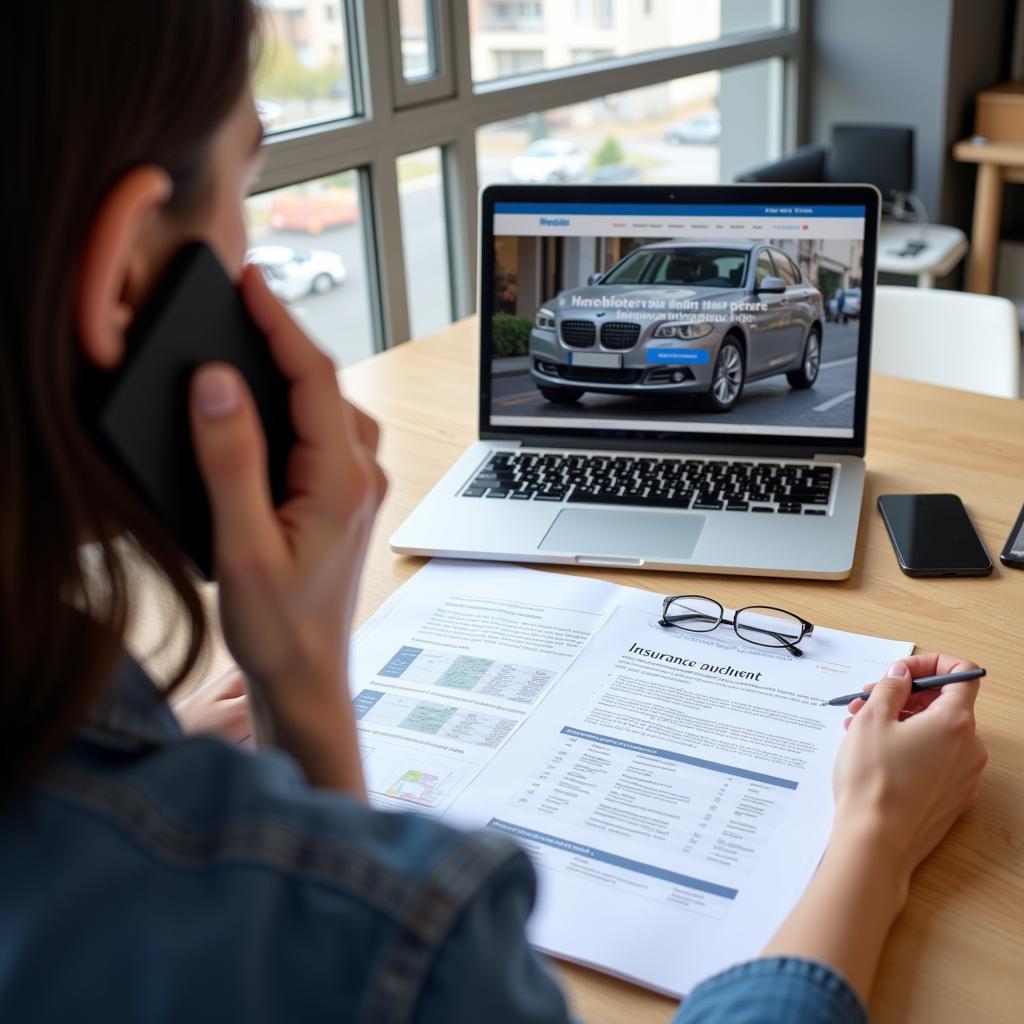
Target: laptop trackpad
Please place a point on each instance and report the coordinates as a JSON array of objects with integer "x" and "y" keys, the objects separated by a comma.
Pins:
[{"x": 624, "y": 532}]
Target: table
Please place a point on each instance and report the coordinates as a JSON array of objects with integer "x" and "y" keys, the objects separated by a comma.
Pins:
[
  {"x": 944, "y": 248},
  {"x": 998, "y": 163},
  {"x": 958, "y": 950}
]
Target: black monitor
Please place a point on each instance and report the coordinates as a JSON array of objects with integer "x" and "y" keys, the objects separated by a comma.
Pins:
[{"x": 879, "y": 155}]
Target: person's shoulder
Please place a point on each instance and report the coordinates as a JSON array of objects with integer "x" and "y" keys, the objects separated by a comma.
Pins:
[
  {"x": 240, "y": 860},
  {"x": 201, "y": 804}
]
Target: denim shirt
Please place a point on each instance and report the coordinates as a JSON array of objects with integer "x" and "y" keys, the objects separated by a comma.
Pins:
[{"x": 147, "y": 876}]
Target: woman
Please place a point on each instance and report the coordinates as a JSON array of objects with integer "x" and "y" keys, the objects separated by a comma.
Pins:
[{"x": 148, "y": 875}]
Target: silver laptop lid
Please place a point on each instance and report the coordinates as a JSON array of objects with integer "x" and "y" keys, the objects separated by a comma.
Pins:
[{"x": 690, "y": 317}]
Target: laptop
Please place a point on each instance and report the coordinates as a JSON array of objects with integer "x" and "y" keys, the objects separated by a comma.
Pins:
[{"x": 671, "y": 377}]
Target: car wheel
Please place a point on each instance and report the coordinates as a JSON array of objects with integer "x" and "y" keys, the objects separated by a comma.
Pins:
[
  {"x": 322, "y": 284},
  {"x": 809, "y": 365},
  {"x": 726, "y": 378},
  {"x": 562, "y": 396}
]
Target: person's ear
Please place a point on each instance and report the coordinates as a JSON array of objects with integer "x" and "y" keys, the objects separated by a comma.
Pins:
[{"x": 126, "y": 249}]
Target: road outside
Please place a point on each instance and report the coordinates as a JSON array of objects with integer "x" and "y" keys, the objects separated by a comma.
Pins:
[
  {"x": 339, "y": 321},
  {"x": 767, "y": 402}
]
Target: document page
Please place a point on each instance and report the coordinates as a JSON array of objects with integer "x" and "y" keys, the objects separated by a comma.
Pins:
[
  {"x": 674, "y": 791},
  {"x": 450, "y": 667}
]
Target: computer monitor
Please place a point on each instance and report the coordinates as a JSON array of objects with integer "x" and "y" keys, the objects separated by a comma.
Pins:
[{"x": 879, "y": 155}]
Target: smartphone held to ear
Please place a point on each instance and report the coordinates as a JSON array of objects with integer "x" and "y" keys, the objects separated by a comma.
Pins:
[
  {"x": 933, "y": 535},
  {"x": 195, "y": 315}
]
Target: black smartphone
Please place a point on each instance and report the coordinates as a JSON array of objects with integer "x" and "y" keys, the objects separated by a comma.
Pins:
[
  {"x": 933, "y": 535},
  {"x": 195, "y": 315},
  {"x": 1013, "y": 553}
]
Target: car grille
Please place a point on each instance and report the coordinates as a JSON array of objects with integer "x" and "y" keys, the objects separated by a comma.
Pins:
[
  {"x": 579, "y": 333},
  {"x": 596, "y": 375},
  {"x": 619, "y": 335}
]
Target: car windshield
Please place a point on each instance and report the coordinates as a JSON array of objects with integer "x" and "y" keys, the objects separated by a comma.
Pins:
[{"x": 701, "y": 268}]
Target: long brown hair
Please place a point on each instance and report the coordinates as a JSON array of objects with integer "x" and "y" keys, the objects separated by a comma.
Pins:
[{"x": 89, "y": 92}]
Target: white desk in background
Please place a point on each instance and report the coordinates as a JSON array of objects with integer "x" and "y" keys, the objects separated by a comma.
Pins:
[{"x": 899, "y": 250}]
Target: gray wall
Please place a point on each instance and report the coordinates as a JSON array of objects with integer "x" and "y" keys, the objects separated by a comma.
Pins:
[{"x": 911, "y": 62}]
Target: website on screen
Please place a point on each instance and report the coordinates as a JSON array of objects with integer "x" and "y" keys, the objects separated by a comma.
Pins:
[{"x": 737, "y": 319}]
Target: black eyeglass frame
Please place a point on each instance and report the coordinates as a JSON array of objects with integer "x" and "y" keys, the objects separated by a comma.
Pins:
[{"x": 806, "y": 628}]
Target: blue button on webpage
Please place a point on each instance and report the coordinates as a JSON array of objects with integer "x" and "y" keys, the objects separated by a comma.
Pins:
[{"x": 680, "y": 356}]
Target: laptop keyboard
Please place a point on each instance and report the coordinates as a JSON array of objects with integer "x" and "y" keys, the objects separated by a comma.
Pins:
[{"x": 794, "y": 488}]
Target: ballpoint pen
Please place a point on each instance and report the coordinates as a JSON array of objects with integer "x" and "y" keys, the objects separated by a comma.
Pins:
[{"x": 924, "y": 683}]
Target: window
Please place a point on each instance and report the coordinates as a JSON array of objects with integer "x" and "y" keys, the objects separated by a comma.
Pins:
[
  {"x": 765, "y": 268},
  {"x": 500, "y": 16},
  {"x": 515, "y": 62},
  {"x": 418, "y": 56},
  {"x": 618, "y": 28},
  {"x": 585, "y": 56},
  {"x": 425, "y": 241},
  {"x": 786, "y": 268},
  {"x": 307, "y": 239},
  {"x": 303, "y": 73},
  {"x": 701, "y": 129},
  {"x": 535, "y": 91}
]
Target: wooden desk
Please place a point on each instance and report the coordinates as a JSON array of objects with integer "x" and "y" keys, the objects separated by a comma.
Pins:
[
  {"x": 957, "y": 953},
  {"x": 998, "y": 163}
]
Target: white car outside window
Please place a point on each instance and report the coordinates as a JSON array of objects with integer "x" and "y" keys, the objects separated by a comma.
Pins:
[{"x": 292, "y": 274}]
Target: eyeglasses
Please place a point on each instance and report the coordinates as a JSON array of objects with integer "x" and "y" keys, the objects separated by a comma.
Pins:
[{"x": 756, "y": 624}]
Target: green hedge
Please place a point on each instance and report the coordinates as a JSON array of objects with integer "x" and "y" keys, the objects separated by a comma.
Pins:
[{"x": 511, "y": 335}]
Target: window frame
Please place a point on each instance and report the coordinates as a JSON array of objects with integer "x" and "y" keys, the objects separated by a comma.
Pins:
[{"x": 395, "y": 117}]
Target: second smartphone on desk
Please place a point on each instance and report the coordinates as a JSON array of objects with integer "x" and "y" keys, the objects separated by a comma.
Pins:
[{"x": 933, "y": 535}]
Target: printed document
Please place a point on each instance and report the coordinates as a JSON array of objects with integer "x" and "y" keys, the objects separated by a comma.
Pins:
[{"x": 673, "y": 789}]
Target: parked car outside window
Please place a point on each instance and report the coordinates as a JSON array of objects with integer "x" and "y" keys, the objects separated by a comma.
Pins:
[
  {"x": 293, "y": 274},
  {"x": 550, "y": 160}
]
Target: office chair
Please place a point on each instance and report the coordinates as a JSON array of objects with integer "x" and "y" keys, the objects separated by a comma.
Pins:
[{"x": 949, "y": 338}]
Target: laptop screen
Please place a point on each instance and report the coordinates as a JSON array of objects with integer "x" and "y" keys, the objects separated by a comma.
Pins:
[{"x": 723, "y": 314}]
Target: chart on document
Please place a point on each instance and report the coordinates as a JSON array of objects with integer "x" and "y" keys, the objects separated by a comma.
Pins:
[
  {"x": 430, "y": 713},
  {"x": 486, "y": 676}
]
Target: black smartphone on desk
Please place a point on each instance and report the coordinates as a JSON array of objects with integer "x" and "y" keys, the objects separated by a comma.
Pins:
[
  {"x": 140, "y": 415},
  {"x": 933, "y": 535}
]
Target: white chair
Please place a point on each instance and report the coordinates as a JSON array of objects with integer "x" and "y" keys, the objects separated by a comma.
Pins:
[{"x": 955, "y": 339}]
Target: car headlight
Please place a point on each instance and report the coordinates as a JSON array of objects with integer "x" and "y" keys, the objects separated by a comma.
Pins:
[
  {"x": 544, "y": 320},
  {"x": 683, "y": 332}
]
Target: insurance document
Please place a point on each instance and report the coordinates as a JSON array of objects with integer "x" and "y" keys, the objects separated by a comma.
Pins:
[{"x": 673, "y": 789}]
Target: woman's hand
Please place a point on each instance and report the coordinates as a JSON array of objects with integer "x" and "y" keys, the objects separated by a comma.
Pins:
[
  {"x": 218, "y": 705},
  {"x": 911, "y": 763},
  {"x": 909, "y": 767},
  {"x": 289, "y": 576}
]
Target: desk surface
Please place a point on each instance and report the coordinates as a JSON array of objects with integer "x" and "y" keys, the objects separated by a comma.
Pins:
[{"x": 958, "y": 951}]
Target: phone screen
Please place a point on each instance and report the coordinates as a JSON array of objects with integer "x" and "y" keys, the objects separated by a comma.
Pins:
[{"x": 933, "y": 535}]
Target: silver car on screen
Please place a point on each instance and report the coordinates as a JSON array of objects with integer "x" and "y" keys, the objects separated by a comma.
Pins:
[{"x": 683, "y": 317}]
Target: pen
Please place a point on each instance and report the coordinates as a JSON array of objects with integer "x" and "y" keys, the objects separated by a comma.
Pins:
[{"x": 924, "y": 683}]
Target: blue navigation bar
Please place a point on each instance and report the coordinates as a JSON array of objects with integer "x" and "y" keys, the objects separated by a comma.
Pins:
[
  {"x": 680, "y": 210},
  {"x": 602, "y": 856},
  {"x": 669, "y": 755}
]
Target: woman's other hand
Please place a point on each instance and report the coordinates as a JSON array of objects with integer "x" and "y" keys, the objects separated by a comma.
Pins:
[
  {"x": 289, "y": 576},
  {"x": 218, "y": 705}
]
